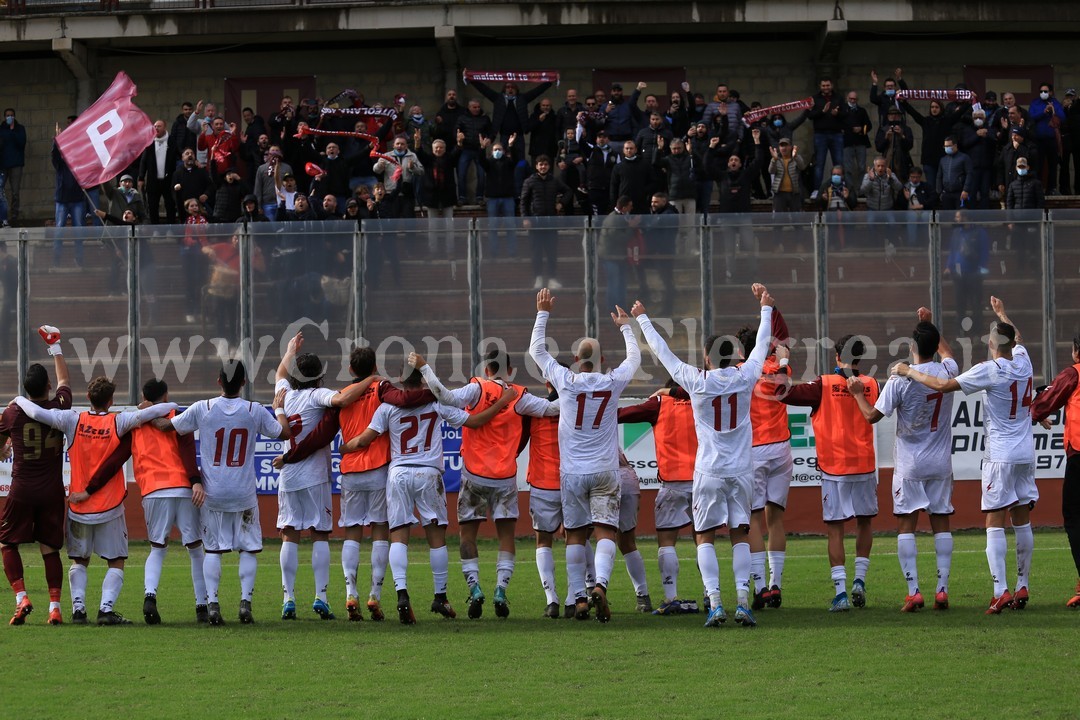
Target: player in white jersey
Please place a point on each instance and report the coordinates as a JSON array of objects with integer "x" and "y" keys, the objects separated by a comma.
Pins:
[
  {"x": 304, "y": 490},
  {"x": 1008, "y": 470},
  {"x": 227, "y": 427},
  {"x": 588, "y": 449},
  {"x": 415, "y": 480},
  {"x": 723, "y": 471},
  {"x": 922, "y": 477},
  {"x": 489, "y": 470}
]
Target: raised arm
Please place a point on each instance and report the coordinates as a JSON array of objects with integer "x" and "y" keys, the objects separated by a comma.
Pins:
[
  {"x": 630, "y": 365},
  {"x": 943, "y": 349},
  {"x": 998, "y": 306},
  {"x": 545, "y": 301},
  {"x": 287, "y": 359},
  {"x": 460, "y": 398},
  {"x": 51, "y": 336},
  {"x": 683, "y": 373}
]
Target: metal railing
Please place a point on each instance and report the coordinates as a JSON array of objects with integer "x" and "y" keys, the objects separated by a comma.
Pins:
[{"x": 169, "y": 302}]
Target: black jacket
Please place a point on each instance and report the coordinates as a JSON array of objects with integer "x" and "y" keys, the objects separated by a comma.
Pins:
[
  {"x": 541, "y": 193},
  {"x": 518, "y": 121},
  {"x": 635, "y": 179}
]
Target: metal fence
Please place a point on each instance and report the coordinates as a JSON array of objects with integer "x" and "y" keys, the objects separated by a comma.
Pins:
[
  {"x": 113, "y": 7},
  {"x": 171, "y": 302}
]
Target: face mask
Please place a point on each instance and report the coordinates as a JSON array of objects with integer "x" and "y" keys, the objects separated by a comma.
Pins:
[
  {"x": 1021, "y": 171},
  {"x": 778, "y": 123},
  {"x": 10, "y": 120},
  {"x": 400, "y": 153},
  {"x": 979, "y": 122},
  {"x": 418, "y": 118},
  {"x": 836, "y": 179},
  {"x": 950, "y": 151},
  {"x": 890, "y": 92},
  {"x": 632, "y": 158},
  {"x": 852, "y": 105},
  {"x": 1044, "y": 95},
  {"x": 497, "y": 154},
  {"x": 332, "y": 157}
]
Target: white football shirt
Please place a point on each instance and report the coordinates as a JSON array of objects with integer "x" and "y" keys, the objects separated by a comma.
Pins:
[
  {"x": 227, "y": 429},
  {"x": 304, "y": 409},
  {"x": 923, "y": 422},
  {"x": 721, "y": 401},
  {"x": 588, "y": 405},
  {"x": 1006, "y": 407},
  {"x": 416, "y": 433}
]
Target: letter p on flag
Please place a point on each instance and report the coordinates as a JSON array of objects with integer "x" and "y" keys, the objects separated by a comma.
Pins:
[{"x": 107, "y": 136}]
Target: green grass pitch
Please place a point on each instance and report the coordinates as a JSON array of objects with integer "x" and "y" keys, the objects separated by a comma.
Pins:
[{"x": 800, "y": 662}]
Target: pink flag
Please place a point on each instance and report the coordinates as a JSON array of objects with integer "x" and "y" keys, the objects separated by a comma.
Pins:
[{"x": 107, "y": 136}]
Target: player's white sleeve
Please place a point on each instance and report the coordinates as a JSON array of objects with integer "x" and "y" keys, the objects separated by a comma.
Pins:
[
  {"x": 980, "y": 377},
  {"x": 556, "y": 374},
  {"x": 628, "y": 367},
  {"x": 131, "y": 419},
  {"x": 535, "y": 406},
  {"x": 380, "y": 420},
  {"x": 188, "y": 421},
  {"x": 688, "y": 376},
  {"x": 63, "y": 420},
  {"x": 951, "y": 367},
  {"x": 282, "y": 384},
  {"x": 455, "y": 416},
  {"x": 323, "y": 397},
  {"x": 761, "y": 347},
  {"x": 461, "y": 397},
  {"x": 890, "y": 396}
]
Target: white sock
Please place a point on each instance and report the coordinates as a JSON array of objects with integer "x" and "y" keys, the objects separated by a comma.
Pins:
[
  {"x": 53, "y": 605},
  {"x": 440, "y": 568},
  {"x": 776, "y": 567},
  {"x": 1025, "y": 545},
  {"x": 197, "y": 555},
  {"x": 668, "y": 560},
  {"x": 249, "y": 564},
  {"x": 757, "y": 570},
  {"x": 289, "y": 561},
  {"x": 943, "y": 547},
  {"x": 399, "y": 565},
  {"x": 862, "y": 566},
  {"x": 605, "y": 561},
  {"x": 839, "y": 579},
  {"x": 350, "y": 561},
  {"x": 320, "y": 566},
  {"x": 110, "y": 588},
  {"x": 152, "y": 570},
  {"x": 470, "y": 568},
  {"x": 996, "y": 547},
  {"x": 710, "y": 570},
  {"x": 380, "y": 558},
  {"x": 504, "y": 569},
  {"x": 211, "y": 571},
  {"x": 19, "y": 597},
  {"x": 545, "y": 565},
  {"x": 635, "y": 568},
  {"x": 77, "y": 586},
  {"x": 740, "y": 568},
  {"x": 590, "y": 565},
  {"x": 907, "y": 552},
  {"x": 575, "y": 571}
]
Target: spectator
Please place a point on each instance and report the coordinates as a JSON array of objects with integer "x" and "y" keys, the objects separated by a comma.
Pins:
[
  {"x": 283, "y": 123},
  {"x": 1017, "y": 148},
  {"x": 677, "y": 116},
  {"x": 880, "y": 187},
  {"x": 251, "y": 211},
  {"x": 124, "y": 202},
  {"x": 499, "y": 172},
  {"x": 180, "y": 137},
  {"x": 734, "y": 181},
  {"x": 887, "y": 99},
  {"x": 618, "y": 232},
  {"x": 126, "y": 198},
  {"x": 698, "y": 143},
  {"x": 1025, "y": 192},
  {"x": 222, "y": 146},
  {"x": 619, "y": 118},
  {"x": 954, "y": 181},
  {"x": 697, "y": 108},
  {"x": 589, "y": 122},
  {"x": 726, "y": 115},
  {"x": 440, "y": 192},
  {"x": 1046, "y": 119},
  {"x": 156, "y": 168},
  {"x": 190, "y": 182},
  {"x": 648, "y": 137},
  {"x": 255, "y": 130},
  {"x": 12, "y": 161},
  {"x": 786, "y": 169},
  {"x": 228, "y": 196},
  {"x": 834, "y": 194},
  {"x": 353, "y": 211},
  {"x": 894, "y": 141},
  {"x": 337, "y": 171},
  {"x": 400, "y": 177},
  {"x": 828, "y": 130},
  {"x": 977, "y": 141},
  {"x": 1068, "y": 139},
  {"x": 192, "y": 259},
  {"x": 472, "y": 128},
  {"x": 680, "y": 168},
  {"x": 571, "y": 161},
  {"x": 511, "y": 112},
  {"x": 856, "y": 130},
  {"x": 936, "y": 126},
  {"x": 919, "y": 199},
  {"x": 544, "y": 133},
  {"x": 446, "y": 120},
  {"x": 417, "y": 121},
  {"x": 1008, "y": 101},
  {"x": 968, "y": 262},
  {"x": 566, "y": 117},
  {"x": 200, "y": 125},
  {"x": 9, "y": 301},
  {"x": 778, "y": 127},
  {"x": 299, "y": 152},
  {"x": 633, "y": 177},
  {"x": 661, "y": 233},
  {"x": 600, "y": 162},
  {"x": 70, "y": 205},
  {"x": 542, "y": 197},
  {"x": 267, "y": 178}
]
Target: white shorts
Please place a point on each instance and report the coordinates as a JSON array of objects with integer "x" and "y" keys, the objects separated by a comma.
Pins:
[
  {"x": 476, "y": 501},
  {"x": 721, "y": 501},
  {"x": 307, "y": 509},
  {"x": 1008, "y": 484},
  {"x": 162, "y": 514},
  {"x": 545, "y": 509},
  {"x": 363, "y": 498},
  {"x": 419, "y": 486},
  {"x": 674, "y": 503},
  {"x": 854, "y": 497},
  {"x": 772, "y": 475},
  {"x": 591, "y": 499},
  {"x": 226, "y": 531},
  {"x": 107, "y": 540},
  {"x": 933, "y": 495}
]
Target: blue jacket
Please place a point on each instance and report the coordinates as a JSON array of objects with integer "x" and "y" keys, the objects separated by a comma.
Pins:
[
  {"x": 1040, "y": 120},
  {"x": 67, "y": 189},
  {"x": 620, "y": 119},
  {"x": 954, "y": 174},
  {"x": 969, "y": 251},
  {"x": 13, "y": 140}
]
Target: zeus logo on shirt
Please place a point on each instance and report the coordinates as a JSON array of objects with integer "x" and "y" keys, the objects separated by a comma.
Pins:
[{"x": 90, "y": 431}]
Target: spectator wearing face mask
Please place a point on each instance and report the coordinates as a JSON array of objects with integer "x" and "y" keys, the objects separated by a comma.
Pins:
[
  {"x": 954, "y": 180},
  {"x": 785, "y": 169},
  {"x": 894, "y": 141},
  {"x": 857, "y": 127},
  {"x": 1046, "y": 121},
  {"x": 499, "y": 170},
  {"x": 400, "y": 176},
  {"x": 834, "y": 193},
  {"x": 632, "y": 177},
  {"x": 935, "y": 128},
  {"x": 887, "y": 97},
  {"x": 978, "y": 142},
  {"x": 544, "y": 134},
  {"x": 1016, "y": 148},
  {"x": 1025, "y": 192},
  {"x": 473, "y": 126},
  {"x": 440, "y": 192}
]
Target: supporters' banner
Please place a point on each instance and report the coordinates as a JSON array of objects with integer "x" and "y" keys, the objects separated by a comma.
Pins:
[
  {"x": 107, "y": 136},
  {"x": 968, "y": 446},
  {"x": 753, "y": 116},
  {"x": 529, "y": 76},
  {"x": 947, "y": 95},
  {"x": 362, "y": 112}
]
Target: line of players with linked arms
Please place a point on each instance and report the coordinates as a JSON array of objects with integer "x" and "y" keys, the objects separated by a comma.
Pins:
[{"x": 722, "y": 447}]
